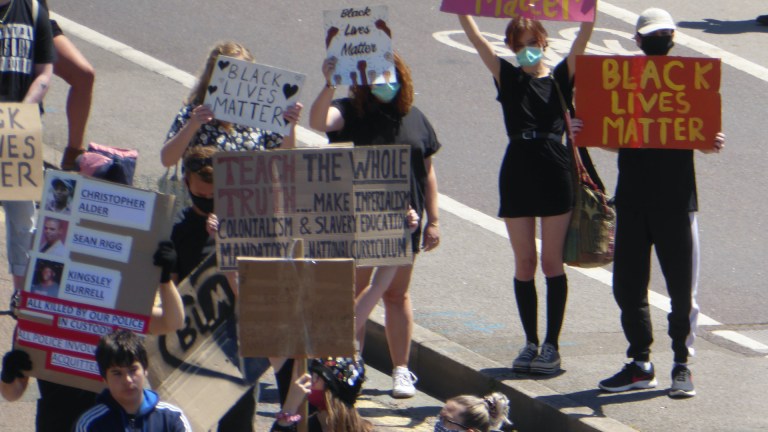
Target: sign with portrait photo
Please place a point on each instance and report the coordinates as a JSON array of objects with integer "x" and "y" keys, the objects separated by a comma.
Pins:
[
  {"x": 91, "y": 271},
  {"x": 361, "y": 41},
  {"x": 251, "y": 94}
]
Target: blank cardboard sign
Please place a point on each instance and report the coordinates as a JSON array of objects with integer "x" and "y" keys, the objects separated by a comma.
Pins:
[{"x": 296, "y": 308}]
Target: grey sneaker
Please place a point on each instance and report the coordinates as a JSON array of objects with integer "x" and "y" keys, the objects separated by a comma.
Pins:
[
  {"x": 524, "y": 358},
  {"x": 547, "y": 362},
  {"x": 682, "y": 383}
]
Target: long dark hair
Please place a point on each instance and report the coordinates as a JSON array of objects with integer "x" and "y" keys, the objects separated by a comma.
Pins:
[{"x": 364, "y": 101}]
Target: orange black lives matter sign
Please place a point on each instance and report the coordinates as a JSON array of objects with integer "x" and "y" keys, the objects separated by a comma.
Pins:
[{"x": 648, "y": 101}]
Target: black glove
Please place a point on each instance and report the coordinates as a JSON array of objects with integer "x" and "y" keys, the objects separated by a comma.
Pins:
[
  {"x": 165, "y": 257},
  {"x": 13, "y": 363}
]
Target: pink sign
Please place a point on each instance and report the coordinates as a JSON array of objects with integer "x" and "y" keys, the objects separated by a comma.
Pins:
[{"x": 546, "y": 10}]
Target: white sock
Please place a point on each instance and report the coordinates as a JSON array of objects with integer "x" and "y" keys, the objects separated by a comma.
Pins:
[{"x": 646, "y": 366}]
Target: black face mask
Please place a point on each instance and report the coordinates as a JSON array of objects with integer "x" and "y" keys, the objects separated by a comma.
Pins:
[
  {"x": 205, "y": 205},
  {"x": 656, "y": 45}
]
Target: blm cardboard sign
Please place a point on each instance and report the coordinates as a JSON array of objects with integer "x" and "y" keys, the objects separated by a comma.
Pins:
[
  {"x": 251, "y": 94},
  {"x": 361, "y": 41},
  {"x": 296, "y": 308},
  {"x": 648, "y": 101},
  {"x": 21, "y": 152},
  {"x": 198, "y": 361},
  {"x": 551, "y": 10},
  {"x": 342, "y": 202},
  {"x": 82, "y": 280}
]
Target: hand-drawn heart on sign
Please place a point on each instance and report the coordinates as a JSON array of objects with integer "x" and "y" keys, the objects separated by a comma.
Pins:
[
  {"x": 251, "y": 94},
  {"x": 290, "y": 90}
]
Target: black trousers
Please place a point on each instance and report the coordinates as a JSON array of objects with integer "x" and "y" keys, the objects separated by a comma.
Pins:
[{"x": 670, "y": 233}]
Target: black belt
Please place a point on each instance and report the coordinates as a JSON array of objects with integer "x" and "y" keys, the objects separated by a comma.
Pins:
[{"x": 534, "y": 135}]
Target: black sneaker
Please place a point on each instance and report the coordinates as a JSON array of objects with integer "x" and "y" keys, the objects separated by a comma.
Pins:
[
  {"x": 682, "y": 383},
  {"x": 631, "y": 377}
]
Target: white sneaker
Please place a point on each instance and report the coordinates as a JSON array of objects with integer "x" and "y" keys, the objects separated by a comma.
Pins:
[{"x": 402, "y": 382}]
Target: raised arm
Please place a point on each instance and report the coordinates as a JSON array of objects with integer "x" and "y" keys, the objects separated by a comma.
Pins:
[
  {"x": 169, "y": 317},
  {"x": 292, "y": 116},
  {"x": 174, "y": 147},
  {"x": 322, "y": 116},
  {"x": 483, "y": 47},
  {"x": 579, "y": 45}
]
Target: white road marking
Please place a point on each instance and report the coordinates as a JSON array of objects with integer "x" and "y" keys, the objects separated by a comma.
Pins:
[
  {"x": 448, "y": 204},
  {"x": 742, "y": 340},
  {"x": 691, "y": 42}
]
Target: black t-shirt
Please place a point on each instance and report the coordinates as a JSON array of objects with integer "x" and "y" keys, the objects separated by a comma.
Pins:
[
  {"x": 386, "y": 127},
  {"x": 656, "y": 179},
  {"x": 60, "y": 406},
  {"x": 191, "y": 240},
  {"x": 532, "y": 104},
  {"x": 23, "y": 44}
]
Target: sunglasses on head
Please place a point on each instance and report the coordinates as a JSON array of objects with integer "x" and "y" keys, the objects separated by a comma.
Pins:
[
  {"x": 195, "y": 165},
  {"x": 445, "y": 419}
]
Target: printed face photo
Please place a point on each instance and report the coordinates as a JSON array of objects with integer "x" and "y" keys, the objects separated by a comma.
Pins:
[
  {"x": 60, "y": 195},
  {"x": 47, "y": 278},
  {"x": 54, "y": 232}
]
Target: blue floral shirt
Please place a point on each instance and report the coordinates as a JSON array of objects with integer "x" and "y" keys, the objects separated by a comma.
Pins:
[{"x": 240, "y": 138}]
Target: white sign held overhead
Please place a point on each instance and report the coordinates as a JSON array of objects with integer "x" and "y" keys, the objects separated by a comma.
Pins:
[{"x": 361, "y": 41}]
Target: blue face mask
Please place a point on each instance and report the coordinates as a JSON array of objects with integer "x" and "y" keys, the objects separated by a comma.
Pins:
[
  {"x": 440, "y": 427},
  {"x": 529, "y": 56},
  {"x": 385, "y": 93}
]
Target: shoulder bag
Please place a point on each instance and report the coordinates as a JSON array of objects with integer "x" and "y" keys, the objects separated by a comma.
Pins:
[{"x": 590, "y": 238}]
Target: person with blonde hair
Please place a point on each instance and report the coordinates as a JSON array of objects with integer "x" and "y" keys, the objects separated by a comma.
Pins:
[
  {"x": 475, "y": 414},
  {"x": 195, "y": 124}
]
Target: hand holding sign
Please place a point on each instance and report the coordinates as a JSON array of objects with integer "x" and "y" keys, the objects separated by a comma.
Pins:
[
  {"x": 545, "y": 10},
  {"x": 649, "y": 102},
  {"x": 359, "y": 39}
]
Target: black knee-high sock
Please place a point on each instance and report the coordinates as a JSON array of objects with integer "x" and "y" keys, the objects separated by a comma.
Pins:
[
  {"x": 557, "y": 294},
  {"x": 527, "y": 304}
]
